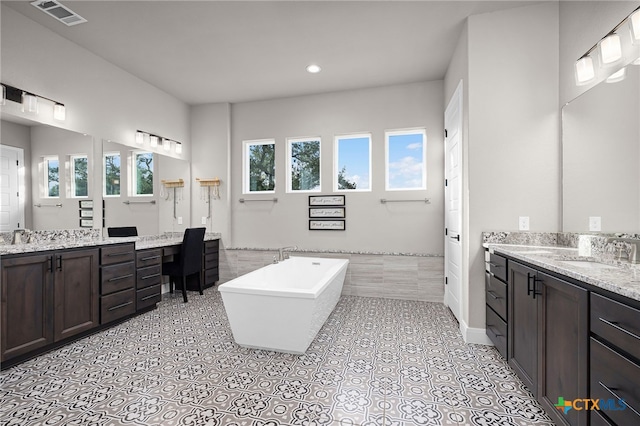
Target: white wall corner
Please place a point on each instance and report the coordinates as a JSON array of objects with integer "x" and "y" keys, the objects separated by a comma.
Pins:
[{"x": 476, "y": 336}]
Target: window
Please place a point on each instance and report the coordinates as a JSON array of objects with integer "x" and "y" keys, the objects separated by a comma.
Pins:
[
  {"x": 406, "y": 157},
  {"x": 111, "y": 174},
  {"x": 142, "y": 173},
  {"x": 353, "y": 163},
  {"x": 79, "y": 169},
  {"x": 259, "y": 166},
  {"x": 303, "y": 164},
  {"x": 51, "y": 176}
]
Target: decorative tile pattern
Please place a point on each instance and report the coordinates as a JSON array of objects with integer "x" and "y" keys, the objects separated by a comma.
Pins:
[{"x": 376, "y": 362}]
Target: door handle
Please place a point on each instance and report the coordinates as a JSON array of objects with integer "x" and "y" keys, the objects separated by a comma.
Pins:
[{"x": 59, "y": 267}]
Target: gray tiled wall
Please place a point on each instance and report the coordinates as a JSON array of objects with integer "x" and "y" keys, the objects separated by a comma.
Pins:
[{"x": 369, "y": 275}]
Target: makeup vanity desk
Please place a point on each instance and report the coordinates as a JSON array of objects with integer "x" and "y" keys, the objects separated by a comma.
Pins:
[{"x": 56, "y": 291}]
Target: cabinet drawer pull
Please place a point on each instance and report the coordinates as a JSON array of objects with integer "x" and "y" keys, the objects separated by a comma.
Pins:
[
  {"x": 148, "y": 297},
  {"x": 144, "y": 259},
  {"x": 122, "y": 305},
  {"x": 492, "y": 294},
  {"x": 494, "y": 331},
  {"x": 120, "y": 278},
  {"x": 119, "y": 254},
  {"x": 146, "y": 277},
  {"x": 496, "y": 265},
  {"x": 617, "y": 327},
  {"x": 611, "y": 391}
]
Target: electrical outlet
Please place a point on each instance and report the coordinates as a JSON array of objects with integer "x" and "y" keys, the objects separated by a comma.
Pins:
[
  {"x": 523, "y": 223},
  {"x": 204, "y": 220},
  {"x": 595, "y": 223},
  {"x": 179, "y": 220}
]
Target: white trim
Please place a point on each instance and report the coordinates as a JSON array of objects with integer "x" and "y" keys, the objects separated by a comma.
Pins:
[
  {"x": 336, "y": 164},
  {"x": 290, "y": 142},
  {"x": 414, "y": 131},
  {"x": 245, "y": 165},
  {"x": 476, "y": 336}
]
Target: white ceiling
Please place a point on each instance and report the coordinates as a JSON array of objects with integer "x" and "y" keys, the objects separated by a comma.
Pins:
[{"x": 234, "y": 51}]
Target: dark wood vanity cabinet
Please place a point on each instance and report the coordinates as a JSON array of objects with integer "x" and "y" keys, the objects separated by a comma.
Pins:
[
  {"x": 46, "y": 298},
  {"x": 148, "y": 278},
  {"x": 117, "y": 282},
  {"x": 210, "y": 263},
  {"x": 548, "y": 339},
  {"x": 496, "y": 302}
]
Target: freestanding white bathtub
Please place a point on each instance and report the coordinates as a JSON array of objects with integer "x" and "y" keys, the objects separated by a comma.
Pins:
[{"x": 281, "y": 307}]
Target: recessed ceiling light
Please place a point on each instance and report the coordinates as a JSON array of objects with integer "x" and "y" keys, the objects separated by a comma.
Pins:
[{"x": 313, "y": 69}]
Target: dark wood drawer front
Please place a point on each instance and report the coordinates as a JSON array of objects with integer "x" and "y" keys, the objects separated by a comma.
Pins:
[
  {"x": 120, "y": 253},
  {"x": 597, "y": 419},
  {"x": 148, "y": 297},
  {"x": 615, "y": 377},
  {"x": 117, "y": 305},
  {"x": 616, "y": 323},
  {"x": 211, "y": 246},
  {"x": 211, "y": 261},
  {"x": 497, "y": 296},
  {"x": 498, "y": 266},
  {"x": 148, "y": 258},
  {"x": 146, "y": 277},
  {"x": 211, "y": 276},
  {"x": 118, "y": 277},
  {"x": 497, "y": 331}
]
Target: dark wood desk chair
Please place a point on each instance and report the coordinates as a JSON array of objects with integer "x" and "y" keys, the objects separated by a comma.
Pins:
[
  {"x": 188, "y": 262},
  {"x": 123, "y": 231}
]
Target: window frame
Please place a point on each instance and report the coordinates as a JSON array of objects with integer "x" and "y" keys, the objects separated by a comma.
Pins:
[
  {"x": 45, "y": 175},
  {"x": 134, "y": 173},
  {"x": 246, "y": 173},
  {"x": 336, "y": 163},
  {"x": 290, "y": 142},
  {"x": 412, "y": 131},
  {"x": 104, "y": 174},
  {"x": 72, "y": 174}
]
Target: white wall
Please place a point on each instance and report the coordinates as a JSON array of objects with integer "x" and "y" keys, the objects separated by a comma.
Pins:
[
  {"x": 370, "y": 225},
  {"x": 19, "y": 136}
]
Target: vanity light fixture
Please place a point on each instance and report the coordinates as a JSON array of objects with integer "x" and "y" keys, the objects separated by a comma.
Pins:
[
  {"x": 609, "y": 49},
  {"x": 30, "y": 101},
  {"x": 140, "y": 137},
  {"x": 178, "y": 148},
  {"x": 59, "y": 112},
  {"x": 156, "y": 141},
  {"x": 313, "y": 69},
  {"x": 166, "y": 144},
  {"x": 153, "y": 141}
]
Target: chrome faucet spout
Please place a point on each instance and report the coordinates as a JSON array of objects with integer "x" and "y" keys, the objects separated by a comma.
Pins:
[{"x": 281, "y": 254}]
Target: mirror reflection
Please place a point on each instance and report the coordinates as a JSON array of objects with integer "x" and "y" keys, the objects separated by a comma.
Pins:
[{"x": 601, "y": 155}]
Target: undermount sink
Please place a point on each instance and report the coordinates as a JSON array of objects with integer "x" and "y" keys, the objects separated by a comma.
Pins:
[{"x": 587, "y": 264}]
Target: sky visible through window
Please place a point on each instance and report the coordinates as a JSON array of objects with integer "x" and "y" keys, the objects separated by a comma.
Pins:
[
  {"x": 406, "y": 161},
  {"x": 353, "y": 157}
]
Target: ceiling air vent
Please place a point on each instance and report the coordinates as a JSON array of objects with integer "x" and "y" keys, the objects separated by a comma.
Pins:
[{"x": 60, "y": 12}]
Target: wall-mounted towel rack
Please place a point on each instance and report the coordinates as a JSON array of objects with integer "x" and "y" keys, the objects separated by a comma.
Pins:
[
  {"x": 48, "y": 205},
  {"x": 139, "y": 202},
  {"x": 424, "y": 200},
  {"x": 246, "y": 200}
]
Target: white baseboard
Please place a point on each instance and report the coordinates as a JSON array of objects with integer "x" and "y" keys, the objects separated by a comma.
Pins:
[{"x": 474, "y": 335}]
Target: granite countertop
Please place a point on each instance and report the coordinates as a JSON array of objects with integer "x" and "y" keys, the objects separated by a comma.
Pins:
[
  {"x": 141, "y": 242},
  {"x": 618, "y": 277}
]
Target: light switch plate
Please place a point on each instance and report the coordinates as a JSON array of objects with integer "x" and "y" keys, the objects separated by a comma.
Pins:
[
  {"x": 179, "y": 220},
  {"x": 595, "y": 223},
  {"x": 523, "y": 223},
  {"x": 204, "y": 220}
]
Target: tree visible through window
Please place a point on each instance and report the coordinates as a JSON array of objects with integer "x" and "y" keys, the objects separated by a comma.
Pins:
[
  {"x": 259, "y": 166},
  {"x": 353, "y": 162},
  {"x": 143, "y": 172},
  {"x": 406, "y": 159},
  {"x": 112, "y": 174},
  {"x": 52, "y": 176},
  {"x": 304, "y": 164},
  {"x": 79, "y": 175}
]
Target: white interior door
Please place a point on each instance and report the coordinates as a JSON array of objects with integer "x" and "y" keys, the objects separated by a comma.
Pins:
[
  {"x": 11, "y": 210},
  {"x": 453, "y": 203}
]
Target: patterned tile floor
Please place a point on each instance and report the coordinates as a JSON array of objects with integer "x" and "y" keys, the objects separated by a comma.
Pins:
[{"x": 376, "y": 362}]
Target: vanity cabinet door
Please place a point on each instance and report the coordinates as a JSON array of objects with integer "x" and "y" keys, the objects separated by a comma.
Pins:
[
  {"x": 27, "y": 298},
  {"x": 76, "y": 292}
]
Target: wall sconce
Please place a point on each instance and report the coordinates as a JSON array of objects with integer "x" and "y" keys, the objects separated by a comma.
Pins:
[
  {"x": 178, "y": 148},
  {"x": 30, "y": 101},
  {"x": 153, "y": 141},
  {"x": 166, "y": 144},
  {"x": 139, "y": 137},
  {"x": 610, "y": 50},
  {"x": 143, "y": 138}
]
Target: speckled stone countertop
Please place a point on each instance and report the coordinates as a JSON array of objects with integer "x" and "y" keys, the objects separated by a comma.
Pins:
[
  {"x": 60, "y": 240},
  {"x": 604, "y": 272},
  {"x": 372, "y": 253}
]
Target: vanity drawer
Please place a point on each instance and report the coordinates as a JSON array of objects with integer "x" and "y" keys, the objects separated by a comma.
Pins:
[
  {"x": 149, "y": 276},
  {"x": 617, "y": 323},
  {"x": 148, "y": 258},
  {"x": 211, "y": 276},
  {"x": 148, "y": 296},
  {"x": 497, "y": 331},
  {"x": 615, "y": 377},
  {"x": 211, "y": 260},
  {"x": 496, "y": 296},
  {"x": 117, "y": 305},
  {"x": 211, "y": 246},
  {"x": 498, "y": 266},
  {"x": 118, "y": 277},
  {"x": 118, "y": 253}
]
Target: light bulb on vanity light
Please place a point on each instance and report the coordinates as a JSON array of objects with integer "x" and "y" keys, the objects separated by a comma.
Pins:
[
  {"x": 610, "y": 49},
  {"x": 29, "y": 102},
  {"x": 584, "y": 70},
  {"x": 153, "y": 141},
  {"x": 178, "y": 148},
  {"x": 139, "y": 137},
  {"x": 166, "y": 144},
  {"x": 59, "y": 112}
]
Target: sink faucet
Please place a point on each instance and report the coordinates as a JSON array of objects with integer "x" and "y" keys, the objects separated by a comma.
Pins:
[
  {"x": 629, "y": 245},
  {"x": 18, "y": 236},
  {"x": 281, "y": 252}
]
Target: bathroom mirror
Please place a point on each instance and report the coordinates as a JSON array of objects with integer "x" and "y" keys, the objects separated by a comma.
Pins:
[
  {"x": 144, "y": 189},
  {"x": 601, "y": 157},
  {"x": 56, "y": 171}
]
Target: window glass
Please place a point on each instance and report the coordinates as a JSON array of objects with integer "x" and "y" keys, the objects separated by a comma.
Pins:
[
  {"x": 259, "y": 166},
  {"x": 143, "y": 173},
  {"x": 304, "y": 164},
  {"x": 353, "y": 163},
  {"x": 111, "y": 174},
  {"x": 79, "y": 168},
  {"x": 406, "y": 166},
  {"x": 52, "y": 176}
]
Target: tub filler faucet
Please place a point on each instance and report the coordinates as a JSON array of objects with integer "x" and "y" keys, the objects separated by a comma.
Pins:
[{"x": 281, "y": 252}]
